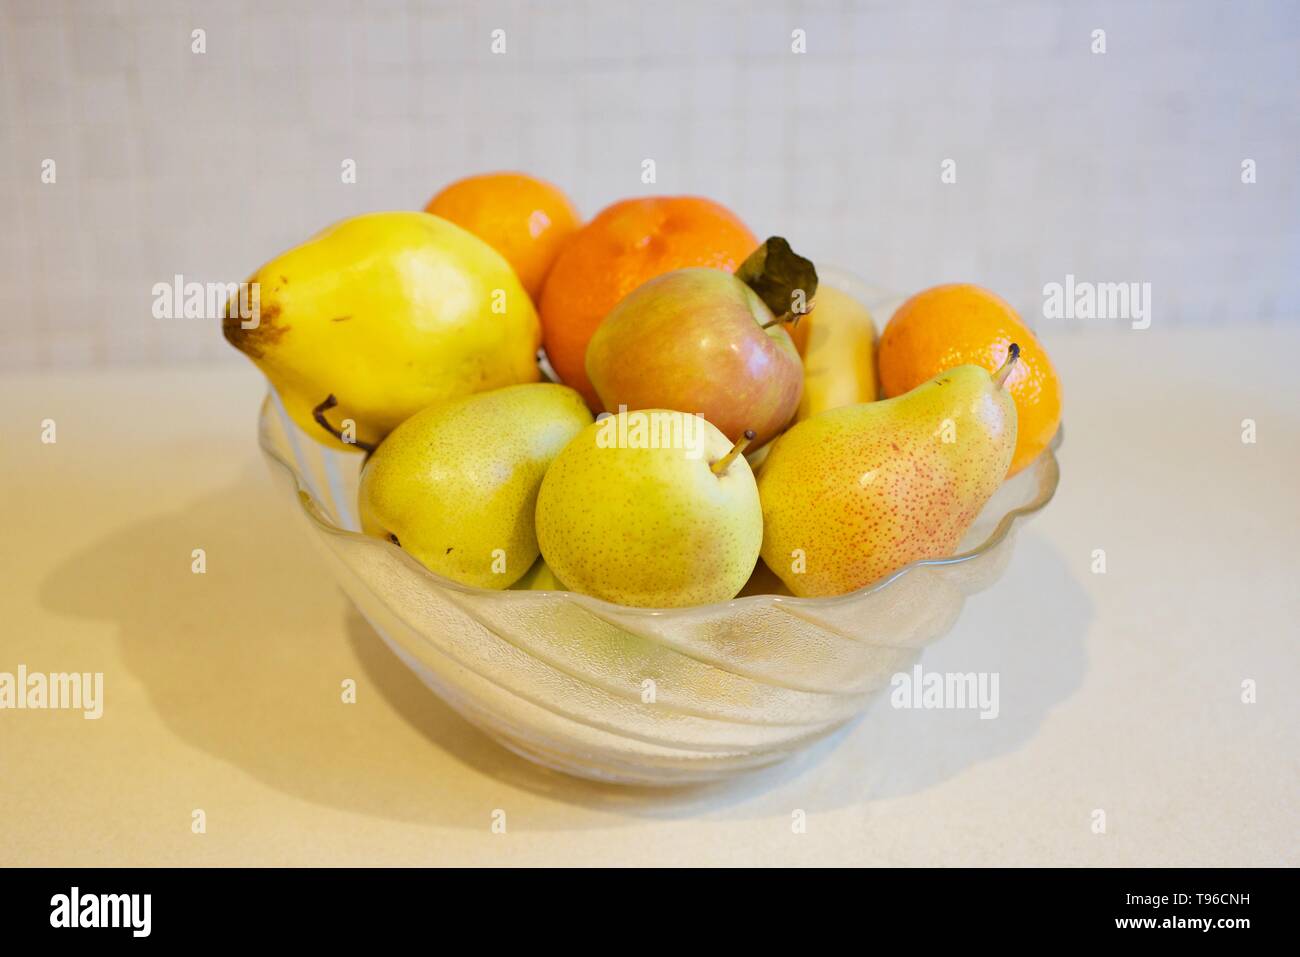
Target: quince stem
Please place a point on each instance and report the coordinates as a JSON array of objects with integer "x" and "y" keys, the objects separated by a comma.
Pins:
[
  {"x": 724, "y": 463},
  {"x": 318, "y": 414},
  {"x": 999, "y": 377}
]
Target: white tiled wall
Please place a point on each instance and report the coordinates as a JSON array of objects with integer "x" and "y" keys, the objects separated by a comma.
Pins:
[{"x": 1119, "y": 166}]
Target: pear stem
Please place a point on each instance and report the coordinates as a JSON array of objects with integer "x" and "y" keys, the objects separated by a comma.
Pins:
[
  {"x": 318, "y": 414},
  {"x": 999, "y": 377},
  {"x": 724, "y": 463}
]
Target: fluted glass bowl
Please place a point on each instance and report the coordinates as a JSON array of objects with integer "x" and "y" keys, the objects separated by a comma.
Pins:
[{"x": 642, "y": 696}]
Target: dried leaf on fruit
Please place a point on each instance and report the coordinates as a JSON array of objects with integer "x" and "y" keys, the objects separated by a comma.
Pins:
[{"x": 778, "y": 274}]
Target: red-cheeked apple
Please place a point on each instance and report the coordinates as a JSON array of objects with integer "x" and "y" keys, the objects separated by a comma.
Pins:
[{"x": 699, "y": 340}]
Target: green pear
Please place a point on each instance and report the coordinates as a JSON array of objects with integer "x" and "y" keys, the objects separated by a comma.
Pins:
[
  {"x": 653, "y": 508},
  {"x": 456, "y": 484},
  {"x": 854, "y": 493},
  {"x": 539, "y": 578}
]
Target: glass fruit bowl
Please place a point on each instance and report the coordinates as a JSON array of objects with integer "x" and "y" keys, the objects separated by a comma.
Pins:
[{"x": 645, "y": 696}]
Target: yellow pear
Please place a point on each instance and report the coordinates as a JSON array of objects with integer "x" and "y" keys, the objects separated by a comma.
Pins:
[
  {"x": 838, "y": 342},
  {"x": 389, "y": 313},
  {"x": 456, "y": 485},
  {"x": 857, "y": 492},
  {"x": 651, "y": 508}
]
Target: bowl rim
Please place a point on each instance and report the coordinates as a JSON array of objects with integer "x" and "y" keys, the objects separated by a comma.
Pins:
[{"x": 307, "y": 501}]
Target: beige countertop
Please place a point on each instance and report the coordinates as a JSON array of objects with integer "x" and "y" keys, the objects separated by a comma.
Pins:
[{"x": 1119, "y": 691}]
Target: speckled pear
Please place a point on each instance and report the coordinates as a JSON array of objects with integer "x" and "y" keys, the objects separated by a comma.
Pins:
[
  {"x": 659, "y": 516},
  {"x": 854, "y": 493},
  {"x": 456, "y": 485}
]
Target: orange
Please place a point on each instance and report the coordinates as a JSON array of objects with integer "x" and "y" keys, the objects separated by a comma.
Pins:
[
  {"x": 960, "y": 324},
  {"x": 626, "y": 244},
  {"x": 525, "y": 219}
]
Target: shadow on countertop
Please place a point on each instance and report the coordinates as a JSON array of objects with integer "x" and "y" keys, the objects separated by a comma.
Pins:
[{"x": 250, "y": 669}]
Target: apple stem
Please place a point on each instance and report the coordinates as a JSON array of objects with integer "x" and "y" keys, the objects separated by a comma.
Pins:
[
  {"x": 724, "y": 463},
  {"x": 999, "y": 377},
  {"x": 789, "y": 316},
  {"x": 318, "y": 414}
]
